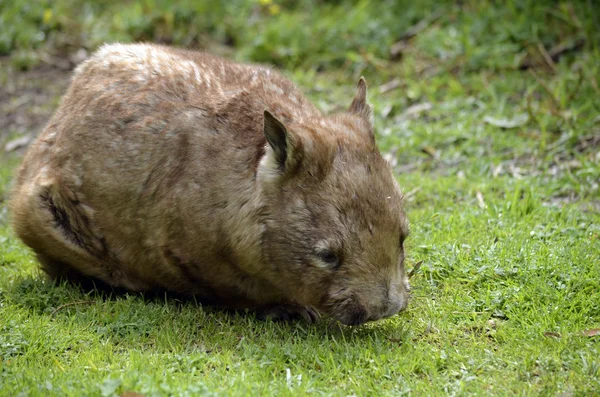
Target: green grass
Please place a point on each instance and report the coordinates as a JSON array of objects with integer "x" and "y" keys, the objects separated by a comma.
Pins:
[{"x": 505, "y": 220}]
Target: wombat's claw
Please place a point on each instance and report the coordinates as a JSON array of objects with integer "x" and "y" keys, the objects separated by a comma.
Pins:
[{"x": 288, "y": 313}]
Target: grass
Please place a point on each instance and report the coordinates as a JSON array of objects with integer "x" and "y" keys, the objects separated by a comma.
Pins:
[{"x": 500, "y": 166}]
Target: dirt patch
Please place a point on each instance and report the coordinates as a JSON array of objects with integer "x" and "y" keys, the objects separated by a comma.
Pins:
[{"x": 28, "y": 99}]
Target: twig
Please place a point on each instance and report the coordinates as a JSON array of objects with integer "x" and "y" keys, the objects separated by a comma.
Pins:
[
  {"x": 370, "y": 59},
  {"x": 556, "y": 52},
  {"x": 468, "y": 312},
  {"x": 555, "y": 102},
  {"x": 594, "y": 84},
  {"x": 576, "y": 89},
  {"x": 412, "y": 192},
  {"x": 423, "y": 24},
  {"x": 406, "y": 168},
  {"x": 530, "y": 111},
  {"x": 562, "y": 48},
  {"x": 71, "y": 304},
  {"x": 546, "y": 56},
  {"x": 390, "y": 85},
  {"x": 400, "y": 45}
]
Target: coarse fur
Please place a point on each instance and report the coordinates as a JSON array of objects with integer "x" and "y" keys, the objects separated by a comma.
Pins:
[{"x": 174, "y": 169}]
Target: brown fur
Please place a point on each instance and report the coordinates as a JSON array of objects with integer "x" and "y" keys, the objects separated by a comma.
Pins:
[{"x": 173, "y": 169}]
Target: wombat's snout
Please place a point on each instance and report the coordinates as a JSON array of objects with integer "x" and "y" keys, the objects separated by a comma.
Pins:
[
  {"x": 358, "y": 309},
  {"x": 397, "y": 300}
]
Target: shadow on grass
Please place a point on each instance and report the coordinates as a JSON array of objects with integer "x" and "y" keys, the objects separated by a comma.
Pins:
[{"x": 122, "y": 315}]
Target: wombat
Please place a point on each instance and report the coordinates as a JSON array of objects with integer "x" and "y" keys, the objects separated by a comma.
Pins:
[{"x": 173, "y": 169}]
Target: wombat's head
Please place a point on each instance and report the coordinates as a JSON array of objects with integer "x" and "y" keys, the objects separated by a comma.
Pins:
[{"x": 335, "y": 226}]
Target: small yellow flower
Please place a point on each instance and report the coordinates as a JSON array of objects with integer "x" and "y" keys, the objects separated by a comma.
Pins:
[
  {"x": 47, "y": 15},
  {"x": 274, "y": 9},
  {"x": 265, "y": 2}
]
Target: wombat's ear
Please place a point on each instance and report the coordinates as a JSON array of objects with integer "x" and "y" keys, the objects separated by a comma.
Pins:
[
  {"x": 359, "y": 105},
  {"x": 286, "y": 150}
]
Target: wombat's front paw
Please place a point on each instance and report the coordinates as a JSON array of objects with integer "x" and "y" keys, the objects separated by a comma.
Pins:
[{"x": 288, "y": 313}]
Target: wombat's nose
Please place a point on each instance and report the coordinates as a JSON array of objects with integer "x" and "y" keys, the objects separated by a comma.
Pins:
[
  {"x": 397, "y": 301},
  {"x": 393, "y": 308}
]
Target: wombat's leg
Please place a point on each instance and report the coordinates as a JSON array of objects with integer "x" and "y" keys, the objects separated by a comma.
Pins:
[
  {"x": 58, "y": 270},
  {"x": 53, "y": 223},
  {"x": 61, "y": 271},
  {"x": 288, "y": 312}
]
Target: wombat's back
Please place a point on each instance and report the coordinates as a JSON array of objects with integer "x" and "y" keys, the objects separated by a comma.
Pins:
[{"x": 143, "y": 132}]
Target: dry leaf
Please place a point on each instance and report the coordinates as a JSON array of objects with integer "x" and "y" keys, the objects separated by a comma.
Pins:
[
  {"x": 390, "y": 85},
  {"x": 79, "y": 56},
  {"x": 415, "y": 110},
  {"x": 568, "y": 393},
  {"x": 517, "y": 121},
  {"x": 131, "y": 394},
  {"x": 391, "y": 157},
  {"x": 591, "y": 332},
  {"x": 497, "y": 170},
  {"x": 415, "y": 269},
  {"x": 17, "y": 143},
  {"x": 398, "y": 48},
  {"x": 480, "y": 201},
  {"x": 552, "y": 334},
  {"x": 431, "y": 151}
]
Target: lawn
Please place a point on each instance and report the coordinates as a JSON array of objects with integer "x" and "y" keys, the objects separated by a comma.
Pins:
[{"x": 490, "y": 114}]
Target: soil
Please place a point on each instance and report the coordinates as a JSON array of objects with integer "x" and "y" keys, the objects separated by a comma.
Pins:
[{"x": 28, "y": 99}]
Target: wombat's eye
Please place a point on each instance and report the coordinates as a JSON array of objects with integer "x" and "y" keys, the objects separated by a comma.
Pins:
[{"x": 329, "y": 257}]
